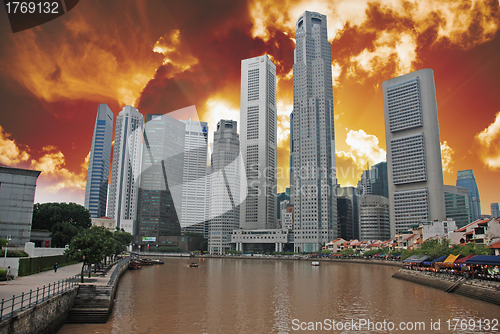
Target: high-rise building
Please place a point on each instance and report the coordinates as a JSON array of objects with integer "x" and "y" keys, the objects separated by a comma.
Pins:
[
  {"x": 495, "y": 210},
  {"x": 353, "y": 194},
  {"x": 126, "y": 168},
  {"x": 457, "y": 205},
  {"x": 365, "y": 184},
  {"x": 258, "y": 142},
  {"x": 374, "y": 222},
  {"x": 345, "y": 223},
  {"x": 17, "y": 196},
  {"x": 284, "y": 196},
  {"x": 466, "y": 179},
  {"x": 194, "y": 179},
  {"x": 414, "y": 165},
  {"x": 378, "y": 176},
  {"x": 96, "y": 190},
  {"x": 160, "y": 188},
  {"x": 313, "y": 142},
  {"x": 224, "y": 187}
]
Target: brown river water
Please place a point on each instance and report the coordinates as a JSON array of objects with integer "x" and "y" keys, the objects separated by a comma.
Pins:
[{"x": 283, "y": 296}]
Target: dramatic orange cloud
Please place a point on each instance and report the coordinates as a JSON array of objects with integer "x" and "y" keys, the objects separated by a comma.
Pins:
[{"x": 164, "y": 56}]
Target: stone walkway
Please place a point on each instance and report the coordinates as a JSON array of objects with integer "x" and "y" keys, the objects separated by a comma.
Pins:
[{"x": 25, "y": 283}]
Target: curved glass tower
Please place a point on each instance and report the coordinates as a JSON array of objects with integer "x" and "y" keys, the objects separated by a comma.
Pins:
[{"x": 466, "y": 179}]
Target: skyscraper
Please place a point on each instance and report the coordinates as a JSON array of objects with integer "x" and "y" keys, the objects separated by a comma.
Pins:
[
  {"x": 495, "y": 210},
  {"x": 126, "y": 168},
  {"x": 457, "y": 205},
  {"x": 466, "y": 179},
  {"x": 160, "y": 188},
  {"x": 194, "y": 181},
  {"x": 224, "y": 186},
  {"x": 378, "y": 176},
  {"x": 258, "y": 142},
  {"x": 414, "y": 165},
  {"x": 313, "y": 142},
  {"x": 96, "y": 190},
  {"x": 374, "y": 222}
]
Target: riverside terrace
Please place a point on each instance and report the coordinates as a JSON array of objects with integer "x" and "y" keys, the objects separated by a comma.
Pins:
[{"x": 483, "y": 267}]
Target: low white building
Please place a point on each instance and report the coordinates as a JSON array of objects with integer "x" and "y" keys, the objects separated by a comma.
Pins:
[
  {"x": 106, "y": 222},
  {"x": 437, "y": 229}
]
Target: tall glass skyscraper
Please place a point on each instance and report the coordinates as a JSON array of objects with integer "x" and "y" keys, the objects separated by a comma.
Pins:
[
  {"x": 126, "y": 169},
  {"x": 313, "y": 141},
  {"x": 466, "y": 179},
  {"x": 225, "y": 182},
  {"x": 96, "y": 190},
  {"x": 258, "y": 142},
  {"x": 194, "y": 179},
  {"x": 495, "y": 210},
  {"x": 414, "y": 167},
  {"x": 160, "y": 189}
]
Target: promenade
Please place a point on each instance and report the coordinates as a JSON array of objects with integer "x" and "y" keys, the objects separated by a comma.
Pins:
[{"x": 25, "y": 283}]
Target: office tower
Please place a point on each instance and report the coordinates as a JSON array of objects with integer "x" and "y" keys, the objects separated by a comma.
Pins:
[
  {"x": 313, "y": 147},
  {"x": 365, "y": 184},
  {"x": 258, "y": 142},
  {"x": 160, "y": 187},
  {"x": 126, "y": 168},
  {"x": 345, "y": 223},
  {"x": 374, "y": 222},
  {"x": 466, "y": 179},
  {"x": 414, "y": 166},
  {"x": 353, "y": 194},
  {"x": 96, "y": 190},
  {"x": 378, "y": 179},
  {"x": 224, "y": 186},
  {"x": 284, "y": 196},
  {"x": 194, "y": 179},
  {"x": 457, "y": 205},
  {"x": 495, "y": 210},
  {"x": 17, "y": 196}
]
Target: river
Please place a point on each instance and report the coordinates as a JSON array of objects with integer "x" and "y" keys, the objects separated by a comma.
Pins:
[{"x": 280, "y": 296}]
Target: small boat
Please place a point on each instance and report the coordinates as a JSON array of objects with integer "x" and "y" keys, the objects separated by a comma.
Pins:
[
  {"x": 315, "y": 263},
  {"x": 193, "y": 265},
  {"x": 134, "y": 265}
]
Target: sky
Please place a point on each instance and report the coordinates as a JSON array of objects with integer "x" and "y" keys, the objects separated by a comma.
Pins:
[{"x": 161, "y": 56}]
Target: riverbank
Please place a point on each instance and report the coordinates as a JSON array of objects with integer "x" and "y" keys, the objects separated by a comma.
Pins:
[{"x": 487, "y": 291}]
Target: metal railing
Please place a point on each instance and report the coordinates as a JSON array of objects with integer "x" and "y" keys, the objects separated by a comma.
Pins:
[{"x": 34, "y": 297}]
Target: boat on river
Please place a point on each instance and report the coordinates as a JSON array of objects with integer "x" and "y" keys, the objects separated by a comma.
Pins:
[
  {"x": 315, "y": 263},
  {"x": 193, "y": 265}
]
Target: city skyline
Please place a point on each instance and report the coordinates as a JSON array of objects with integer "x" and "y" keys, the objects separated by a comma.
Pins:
[{"x": 56, "y": 88}]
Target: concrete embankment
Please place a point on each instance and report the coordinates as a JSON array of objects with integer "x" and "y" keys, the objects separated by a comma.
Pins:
[
  {"x": 487, "y": 291},
  {"x": 95, "y": 300},
  {"x": 44, "y": 318}
]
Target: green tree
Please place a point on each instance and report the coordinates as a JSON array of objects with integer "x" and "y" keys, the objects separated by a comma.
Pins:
[
  {"x": 47, "y": 214},
  {"x": 63, "y": 232},
  {"x": 123, "y": 239},
  {"x": 91, "y": 246}
]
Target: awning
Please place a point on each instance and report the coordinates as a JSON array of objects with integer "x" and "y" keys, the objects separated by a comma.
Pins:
[
  {"x": 411, "y": 258},
  {"x": 451, "y": 258},
  {"x": 439, "y": 259},
  {"x": 421, "y": 259},
  {"x": 462, "y": 260},
  {"x": 493, "y": 260}
]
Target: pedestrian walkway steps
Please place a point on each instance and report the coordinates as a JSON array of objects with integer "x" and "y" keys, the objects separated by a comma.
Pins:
[
  {"x": 92, "y": 304},
  {"x": 455, "y": 285}
]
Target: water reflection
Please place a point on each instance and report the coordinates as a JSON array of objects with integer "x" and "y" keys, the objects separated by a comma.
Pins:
[{"x": 265, "y": 296}]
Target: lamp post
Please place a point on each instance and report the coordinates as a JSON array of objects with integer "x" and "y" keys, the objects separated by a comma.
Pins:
[{"x": 5, "y": 255}]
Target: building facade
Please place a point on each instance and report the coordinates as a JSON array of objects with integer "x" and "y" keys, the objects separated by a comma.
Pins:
[
  {"x": 466, "y": 179},
  {"x": 126, "y": 168},
  {"x": 495, "y": 210},
  {"x": 96, "y": 189},
  {"x": 378, "y": 179},
  {"x": 17, "y": 197},
  {"x": 457, "y": 205},
  {"x": 194, "y": 178},
  {"x": 258, "y": 120},
  {"x": 345, "y": 223},
  {"x": 374, "y": 221},
  {"x": 225, "y": 182},
  {"x": 160, "y": 188},
  {"x": 313, "y": 141},
  {"x": 414, "y": 165}
]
